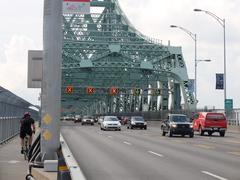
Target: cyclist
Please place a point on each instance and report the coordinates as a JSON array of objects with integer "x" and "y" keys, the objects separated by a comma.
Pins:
[{"x": 27, "y": 127}]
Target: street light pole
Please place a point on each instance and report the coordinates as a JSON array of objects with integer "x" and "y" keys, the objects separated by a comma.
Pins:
[
  {"x": 195, "y": 68},
  {"x": 194, "y": 37},
  {"x": 222, "y": 23}
]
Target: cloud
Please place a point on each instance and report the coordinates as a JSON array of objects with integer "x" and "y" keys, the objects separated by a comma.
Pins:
[
  {"x": 2, "y": 59},
  {"x": 13, "y": 72}
]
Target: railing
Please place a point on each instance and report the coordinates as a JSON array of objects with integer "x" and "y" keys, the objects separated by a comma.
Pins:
[
  {"x": 234, "y": 118},
  {"x": 9, "y": 127}
]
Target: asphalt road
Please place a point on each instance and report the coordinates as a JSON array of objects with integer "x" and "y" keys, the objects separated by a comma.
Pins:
[{"x": 146, "y": 155}]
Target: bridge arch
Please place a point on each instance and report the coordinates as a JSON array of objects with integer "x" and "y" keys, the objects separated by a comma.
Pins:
[{"x": 104, "y": 50}]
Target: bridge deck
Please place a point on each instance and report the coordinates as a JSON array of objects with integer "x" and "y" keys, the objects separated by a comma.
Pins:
[{"x": 12, "y": 163}]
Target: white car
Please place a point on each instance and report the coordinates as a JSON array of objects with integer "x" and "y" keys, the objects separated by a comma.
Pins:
[
  {"x": 110, "y": 122},
  {"x": 87, "y": 120}
]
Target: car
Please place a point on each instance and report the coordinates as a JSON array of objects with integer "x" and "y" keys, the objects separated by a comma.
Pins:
[
  {"x": 77, "y": 119},
  {"x": 87, "y": 120},
  {"x": 210, "y": 122},
  {"x": 95, "y": 119},
  {"x": 177, "y": 124},
  {"x": 110, "y": 123},
  {"x": 137, "y": 122},
  {"x": 69, "y": 118}
]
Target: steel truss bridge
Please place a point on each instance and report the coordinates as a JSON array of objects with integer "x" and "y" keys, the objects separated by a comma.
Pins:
[{"x": 103, "y": 50}]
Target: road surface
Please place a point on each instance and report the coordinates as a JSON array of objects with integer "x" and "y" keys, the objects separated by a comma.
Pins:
[{"x": 146, "y": 155}]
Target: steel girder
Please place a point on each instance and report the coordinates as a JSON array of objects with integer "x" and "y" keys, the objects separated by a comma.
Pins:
[{"x": 103, "y": 49}]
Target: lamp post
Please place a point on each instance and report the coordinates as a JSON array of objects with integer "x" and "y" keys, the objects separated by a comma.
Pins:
[
  {"x": 194, "y": 37},
  {"x": 222, "y": 23}
]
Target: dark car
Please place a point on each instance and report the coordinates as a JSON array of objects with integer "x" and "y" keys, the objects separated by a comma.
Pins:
[
  {"x": 177, "y": 124},
  {"x": 137, "y": 122},
  {"x": 77, "y": 119}
]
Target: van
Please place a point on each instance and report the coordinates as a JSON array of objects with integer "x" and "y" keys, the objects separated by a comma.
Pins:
[{"x": 210, "y": 122}]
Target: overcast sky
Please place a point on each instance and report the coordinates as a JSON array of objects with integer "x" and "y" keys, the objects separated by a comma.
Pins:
[{"x": 21, "y": 30}]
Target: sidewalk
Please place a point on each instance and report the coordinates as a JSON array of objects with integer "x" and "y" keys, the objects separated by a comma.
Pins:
[
  {"x": 234, "y": 129},
  {"x": 12, "y": 163}
]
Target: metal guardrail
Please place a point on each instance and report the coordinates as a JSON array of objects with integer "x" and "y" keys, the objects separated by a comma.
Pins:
[
  {"x": 233, "y": 122},
  {"x": 9, "y": 127},
  {"x": 75, "y": 171}
]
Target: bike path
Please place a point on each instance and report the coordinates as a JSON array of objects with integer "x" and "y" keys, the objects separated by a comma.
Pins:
[{"x": 12, "y": 163}]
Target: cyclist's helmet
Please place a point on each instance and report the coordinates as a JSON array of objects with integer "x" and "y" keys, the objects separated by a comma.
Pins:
[{"x": 26, "y": 114}]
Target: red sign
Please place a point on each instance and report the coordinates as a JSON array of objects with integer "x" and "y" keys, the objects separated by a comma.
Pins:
[
  {"x": 113, "y": 91},
  {"x": 69, "y": 89},
  {"x": 90, "y": 90}
]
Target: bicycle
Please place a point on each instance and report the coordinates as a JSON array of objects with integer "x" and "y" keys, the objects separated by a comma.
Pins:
[{"x": 26, "y": 146}]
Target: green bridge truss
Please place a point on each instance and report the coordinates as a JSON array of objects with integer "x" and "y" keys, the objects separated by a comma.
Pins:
[{"x": 104, "y": 50}]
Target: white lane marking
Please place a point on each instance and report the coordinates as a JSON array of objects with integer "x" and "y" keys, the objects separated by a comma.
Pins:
[
  {"x": 214, "y": 175},
  {"x": 159, "y": 155},
  {"x": 10, "y": 162},
  {"x": 109, "y": 136},
  {"x": 128, "y": 143}
]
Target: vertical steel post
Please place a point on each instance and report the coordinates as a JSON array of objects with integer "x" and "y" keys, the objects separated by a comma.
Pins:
[{"x": 51, "y": 82}]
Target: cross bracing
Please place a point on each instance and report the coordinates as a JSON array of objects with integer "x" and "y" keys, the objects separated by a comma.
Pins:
[{"x": 103, "y": 50}]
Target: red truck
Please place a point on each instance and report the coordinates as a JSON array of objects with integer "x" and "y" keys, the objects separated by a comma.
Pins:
[{"x": 210, "y": 122}]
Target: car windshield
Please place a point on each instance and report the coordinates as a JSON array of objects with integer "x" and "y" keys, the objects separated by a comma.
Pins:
[
  {"x": 137, "y": 118},
  {"x": 111, "y": 119},
  {"x": 179, "y": 118},
  {"x": 87, "y": 117}
]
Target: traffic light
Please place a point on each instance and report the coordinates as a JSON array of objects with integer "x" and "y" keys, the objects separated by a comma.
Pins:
[
  {"x": 90, "y": 90},
  {"x": 136, "y": 91},
  {"x": 113, "y": 91},
  {"x": 69, "y": 89}
]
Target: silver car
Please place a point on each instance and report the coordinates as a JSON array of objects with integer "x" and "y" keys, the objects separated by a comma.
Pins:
[
  {"x": 110, "y": 123},
  {"x": 87, "y": 120}
]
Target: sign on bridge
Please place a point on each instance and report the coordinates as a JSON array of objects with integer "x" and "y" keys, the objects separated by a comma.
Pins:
[{"x": 76, "y": 6}]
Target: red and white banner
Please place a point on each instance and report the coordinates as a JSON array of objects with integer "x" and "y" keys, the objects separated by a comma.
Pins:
[{"x": 76, "y": 6}]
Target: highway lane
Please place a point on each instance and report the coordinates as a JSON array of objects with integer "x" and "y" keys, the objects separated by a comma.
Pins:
[{"x": 140, "y": 154}]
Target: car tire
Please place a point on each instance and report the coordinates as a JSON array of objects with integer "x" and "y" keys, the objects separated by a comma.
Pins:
[
  {"x": 131, "y": 127},
  {"x": 210, "y": 133},
  {"x": 191, "y": 135},
  {"x": 170, "y": 133},
  {"x": 82, "y": 124},
  {"x": 222, "y": 133},
  {"x": 119, "y": 130},
  {"x": 128, "y": 127},
  {"x": 163, "y": 133}
]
